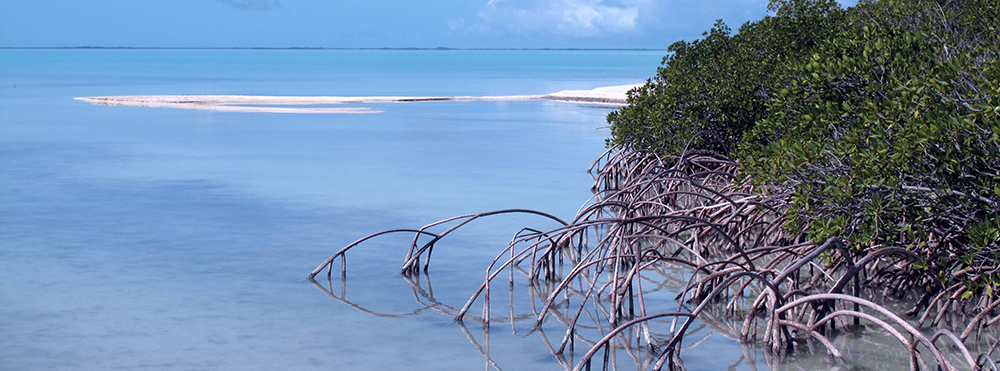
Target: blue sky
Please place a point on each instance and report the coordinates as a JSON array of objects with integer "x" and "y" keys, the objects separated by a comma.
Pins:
[{"x": 366, "y": 23}]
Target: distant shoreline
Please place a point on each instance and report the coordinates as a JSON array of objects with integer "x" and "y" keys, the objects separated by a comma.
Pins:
[
  {"x": 311, "y": 48},
  {"x": 611, "y": 95}
]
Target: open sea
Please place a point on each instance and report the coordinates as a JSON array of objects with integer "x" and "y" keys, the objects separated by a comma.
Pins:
[{"x": 167, "y": 239}]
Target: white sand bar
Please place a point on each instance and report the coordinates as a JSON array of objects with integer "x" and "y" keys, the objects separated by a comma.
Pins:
[{"x": 615, "y": 95}]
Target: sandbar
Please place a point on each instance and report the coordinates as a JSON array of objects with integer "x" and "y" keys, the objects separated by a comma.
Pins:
[{"x": 610, "y": 95}]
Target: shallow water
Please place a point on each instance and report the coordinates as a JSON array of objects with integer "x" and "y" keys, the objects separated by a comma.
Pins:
[{"x": 173, "y": 239}]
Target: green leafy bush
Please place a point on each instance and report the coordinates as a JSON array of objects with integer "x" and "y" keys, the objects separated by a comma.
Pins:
[
  {"x": 888, "y": 135},
  {"x": 710, "y": 91},
  {"x": 881, "y": 121}
]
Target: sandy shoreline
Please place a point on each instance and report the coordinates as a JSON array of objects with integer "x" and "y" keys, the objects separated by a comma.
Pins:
[{"x": 611, "y": 95}]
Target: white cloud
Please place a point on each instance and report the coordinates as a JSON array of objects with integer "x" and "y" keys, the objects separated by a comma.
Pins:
[{"x": 565, "y": 17}]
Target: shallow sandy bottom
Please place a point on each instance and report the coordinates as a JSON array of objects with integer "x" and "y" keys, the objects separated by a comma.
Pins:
[{"x": 614, "y": 95}]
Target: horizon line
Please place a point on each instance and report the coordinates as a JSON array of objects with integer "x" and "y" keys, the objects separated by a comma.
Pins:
[{"x": 311, "y": 48}]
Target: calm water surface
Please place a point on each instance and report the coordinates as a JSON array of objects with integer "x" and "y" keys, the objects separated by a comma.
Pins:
[{"x": 151, "y": 238}]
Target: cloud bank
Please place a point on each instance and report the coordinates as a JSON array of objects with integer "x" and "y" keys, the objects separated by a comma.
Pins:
[{"x": 563, "y": 17}]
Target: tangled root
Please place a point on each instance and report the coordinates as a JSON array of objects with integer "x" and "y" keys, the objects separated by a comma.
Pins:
[{"x": 776, "y": 290}]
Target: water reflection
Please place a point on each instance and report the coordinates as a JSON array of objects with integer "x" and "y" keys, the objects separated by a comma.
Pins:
[
  {"x": 423, "y": 297},
  {"x": 631, "y": 346}
]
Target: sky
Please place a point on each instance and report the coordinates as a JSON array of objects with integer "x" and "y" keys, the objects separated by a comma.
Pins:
[{"x": 643, "y": 24}]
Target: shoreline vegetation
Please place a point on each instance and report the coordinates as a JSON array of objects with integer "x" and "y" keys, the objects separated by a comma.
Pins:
[
  {"x": 609, "y": 95},
  {"x": 808, "y": 178}
]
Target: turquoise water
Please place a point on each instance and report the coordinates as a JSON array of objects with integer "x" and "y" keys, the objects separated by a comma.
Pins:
[{"x": 154, "y": 238}]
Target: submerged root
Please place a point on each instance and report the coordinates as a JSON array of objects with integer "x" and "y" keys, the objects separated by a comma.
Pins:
[{"x": 740, "y": 272}]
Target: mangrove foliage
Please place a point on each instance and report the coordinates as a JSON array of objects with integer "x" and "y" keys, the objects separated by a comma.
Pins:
[{"x": 878, "y": 124}]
